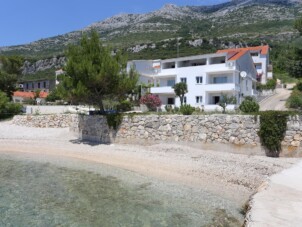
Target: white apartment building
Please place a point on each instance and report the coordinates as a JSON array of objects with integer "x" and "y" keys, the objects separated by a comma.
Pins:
[
  {"x": 260, "y": 56},
  {"x": 207, "y": 77}
]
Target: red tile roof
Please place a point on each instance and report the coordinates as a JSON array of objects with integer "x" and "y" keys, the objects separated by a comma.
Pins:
[
  {"x": 29, "y": 94},
  {"x": 239, "y": 52}
]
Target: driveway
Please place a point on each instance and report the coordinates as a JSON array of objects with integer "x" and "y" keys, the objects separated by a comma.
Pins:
[{"x": 277, "y": 101}]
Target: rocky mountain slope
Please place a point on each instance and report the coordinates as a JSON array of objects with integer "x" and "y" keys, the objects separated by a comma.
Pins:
[{"x": 229, "y": 23}]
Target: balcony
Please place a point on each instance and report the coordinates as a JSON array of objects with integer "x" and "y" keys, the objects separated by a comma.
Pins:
[
  {"x": 162, "y": 90},
  {"x": 222, "y": 87}
]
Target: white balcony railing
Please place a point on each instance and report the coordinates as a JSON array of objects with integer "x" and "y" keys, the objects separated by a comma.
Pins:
[
  {"x": 221, "y": 87},
  {"x": 162, "y": 90}
]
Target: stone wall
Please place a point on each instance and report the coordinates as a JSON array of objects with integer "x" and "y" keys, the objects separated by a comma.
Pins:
[
  {"x": 210, "y": 129},
  {"x": 228, "y": 129},
  {"x": 45, "y": 121},
  {"x": 293, "y": 136}
]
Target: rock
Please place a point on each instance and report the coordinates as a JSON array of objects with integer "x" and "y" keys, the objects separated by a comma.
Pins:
[
  {"x": 297, "y": 137},
  {"x": 296, "y": 143}
]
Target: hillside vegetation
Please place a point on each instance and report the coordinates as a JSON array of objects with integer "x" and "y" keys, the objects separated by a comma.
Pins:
[{"x": 194, "y": 29}]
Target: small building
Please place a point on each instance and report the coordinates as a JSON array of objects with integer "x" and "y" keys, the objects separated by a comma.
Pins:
[
  {"x": 45, "y": 85},
  {"x": 207, "y": 76},
  {"x": 22, "y": 96}
]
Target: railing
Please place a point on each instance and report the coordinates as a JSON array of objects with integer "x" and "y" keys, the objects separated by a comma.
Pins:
[{"x": 162, "y": 90}]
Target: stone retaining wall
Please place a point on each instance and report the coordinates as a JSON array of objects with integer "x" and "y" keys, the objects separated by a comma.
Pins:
[
  {"x": 223, "y": 129},
  {"x": 45, "y": 121},
  {"x": 238, "y": 130},
  {"x": 211, "y": 129}
]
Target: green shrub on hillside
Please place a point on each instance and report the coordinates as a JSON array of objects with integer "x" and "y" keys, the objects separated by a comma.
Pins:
[
  {"x": 272, "y": 131},
  {"x": 186, "y": 109},
  {"x": 249, "y": 105},
  {"x": 270, "y": 85},
  {"x": 8, "y": 109},
  {"x": 295, "y": 100},
  {"x": 299, "y": 85},
  {"x": 124, "y": 106}
]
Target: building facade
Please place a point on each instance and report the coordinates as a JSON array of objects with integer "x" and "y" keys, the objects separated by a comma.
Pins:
[
  {"x": 260, "y": 56},
  {"x": 208, "y": 77},
  {"x": 43, "y": 85}
]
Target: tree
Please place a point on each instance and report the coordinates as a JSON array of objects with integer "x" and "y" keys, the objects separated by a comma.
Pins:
[
  {"x": 226, "y": 100},
  {"x": 53, "y": 96},
  {"x": 180, "y": 90},
  {"x": 93, "y": 73},
  {"x": 8, "y": 83},
  {"x": 12, "y": 64},
  {"x": 7, "y": 108},
  {"x": 298, "y": 24}
]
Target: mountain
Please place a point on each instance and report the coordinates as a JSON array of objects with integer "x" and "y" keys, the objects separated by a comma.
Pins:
[{"x": 237, "y": 19}]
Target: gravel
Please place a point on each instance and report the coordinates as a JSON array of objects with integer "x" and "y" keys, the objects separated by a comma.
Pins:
[{"x": 232, "y": 175}]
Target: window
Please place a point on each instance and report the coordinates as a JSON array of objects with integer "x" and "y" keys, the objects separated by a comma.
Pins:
[
  {"x": 255, "y": 54},
  {"x": 32, "y": 85},
  {"x": 171, "y": 101},
  {"x": 199, "y": 80},
  {"x": 258, "y": 66},
  {"x": 170, "y": 83},
  {"x": 183, "y": 80},
  {"x": 220, "y": 80},
  {"x": 39, "y": 85},
  {"x": 44, "y": 84},
  {"x": 27, "y": 86},
  {"x": 198, "y": 99}
]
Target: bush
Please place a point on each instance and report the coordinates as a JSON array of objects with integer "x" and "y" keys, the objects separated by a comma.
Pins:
[
  {"x": 272, "y": 131},
  {"x": 53, "y": 96},
  {"x": 151, "y": 101},
  {"x": 295, "y": 100},
  {"x": 270, "y": 85},
  {"x": 187, "y": 109},
  {"x": 299, "y": 86},
  {"x": 8, "y": 109},
  {"x": 124, "y": 106},
  {"x": 114, "y": 120},
  {"x": 249, "y": 105}
]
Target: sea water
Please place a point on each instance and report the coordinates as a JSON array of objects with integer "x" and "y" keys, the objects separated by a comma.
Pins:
[{"x": 36, "y": 190}]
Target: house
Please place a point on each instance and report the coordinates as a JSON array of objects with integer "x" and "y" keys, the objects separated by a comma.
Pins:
[
  {"x": 207, "y": 77},
  {"x": 21, "y": 97},
  {"x": 45, "y": 85},
  {"x": 260, "y": 56}
]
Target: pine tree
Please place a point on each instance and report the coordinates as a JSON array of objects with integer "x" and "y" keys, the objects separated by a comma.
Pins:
[{"x": 93, "y": 73}]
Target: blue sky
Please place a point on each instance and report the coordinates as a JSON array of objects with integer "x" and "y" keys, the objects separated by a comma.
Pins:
[{"x": 24, "y": 21}]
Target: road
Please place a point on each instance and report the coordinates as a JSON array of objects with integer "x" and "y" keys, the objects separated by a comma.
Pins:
[{"x": 277, "y": 101}]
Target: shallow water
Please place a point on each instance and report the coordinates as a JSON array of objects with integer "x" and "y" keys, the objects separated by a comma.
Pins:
[{"x": 47, "y": 191}]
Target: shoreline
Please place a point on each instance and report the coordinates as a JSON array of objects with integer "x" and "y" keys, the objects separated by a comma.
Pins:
[{"x": 218, "y": 172}]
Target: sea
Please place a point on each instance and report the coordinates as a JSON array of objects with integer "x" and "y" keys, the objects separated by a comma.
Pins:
[{"x": 40, "y": 190}]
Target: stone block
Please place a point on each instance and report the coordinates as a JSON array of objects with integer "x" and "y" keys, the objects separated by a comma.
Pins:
[
  {"x": 296, "y": 143},
  {"x": 297, "y": 137}
]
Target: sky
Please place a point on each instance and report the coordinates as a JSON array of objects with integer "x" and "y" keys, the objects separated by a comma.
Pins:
[{"x": 25, "y": 21}]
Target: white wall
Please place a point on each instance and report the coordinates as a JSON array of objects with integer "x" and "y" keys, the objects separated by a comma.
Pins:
[
  {"x": 46, "y": 109},
  {"x": 234, "y": 85}
]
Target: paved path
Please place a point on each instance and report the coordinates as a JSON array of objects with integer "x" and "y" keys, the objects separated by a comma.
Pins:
[
  {"x": 280, "y": 203},
  {"x": 277, "y": 101}
]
